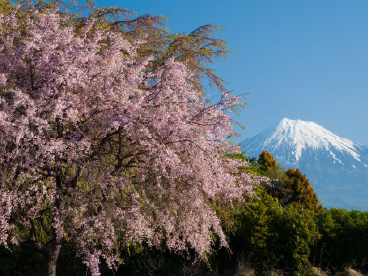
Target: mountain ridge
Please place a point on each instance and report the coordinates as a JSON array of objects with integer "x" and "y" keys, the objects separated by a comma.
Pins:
[{"x": 333, "y": 164}]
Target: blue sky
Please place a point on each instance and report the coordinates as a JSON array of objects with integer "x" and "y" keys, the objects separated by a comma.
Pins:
[{"x": 298, "y": 59}]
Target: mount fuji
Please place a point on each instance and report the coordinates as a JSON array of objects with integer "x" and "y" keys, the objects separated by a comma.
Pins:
[{"x": 336, "y": 167}]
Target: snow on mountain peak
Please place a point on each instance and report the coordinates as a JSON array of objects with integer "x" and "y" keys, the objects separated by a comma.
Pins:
[
  {"x": 337, "y": 167},
  {"x": 301, "y": 135}
]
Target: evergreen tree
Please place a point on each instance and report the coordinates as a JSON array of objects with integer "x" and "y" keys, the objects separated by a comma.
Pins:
[
  {"x": 266, "y": 161},
  {"x": 296, "y": 189}
]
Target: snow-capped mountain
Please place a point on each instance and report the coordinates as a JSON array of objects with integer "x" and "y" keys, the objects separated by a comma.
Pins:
[{"x": 337, "y": 167}]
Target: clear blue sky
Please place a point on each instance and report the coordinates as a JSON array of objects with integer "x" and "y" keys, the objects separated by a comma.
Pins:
[{"x": 305, "y": 59}]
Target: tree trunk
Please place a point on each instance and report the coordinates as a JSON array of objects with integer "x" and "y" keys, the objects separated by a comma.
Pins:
[{"x": 53, "y": 251}]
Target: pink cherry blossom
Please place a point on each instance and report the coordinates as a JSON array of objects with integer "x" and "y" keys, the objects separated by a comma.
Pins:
[{"x": 97, "y": 149}]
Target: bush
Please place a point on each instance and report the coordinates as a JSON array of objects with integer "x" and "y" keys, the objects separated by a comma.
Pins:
[
  {"x": 274, "y": 236},
  {"x": 344, "y": 241}
]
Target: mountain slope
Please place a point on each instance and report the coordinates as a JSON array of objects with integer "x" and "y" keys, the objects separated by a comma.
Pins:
[{"x": 337, "y": 167}]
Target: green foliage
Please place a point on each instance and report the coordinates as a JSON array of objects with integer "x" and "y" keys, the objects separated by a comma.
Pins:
[
  {"x": 250, "y": 166},
  {"x": 274, "y": 236},
  {"x": 296, "y": 189},
  {"x": 344, "y": 241},
  {"x": 266, "y": 161},
  {"x": 276, "y": 228},
  {"x": 5, "y": 7}
]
